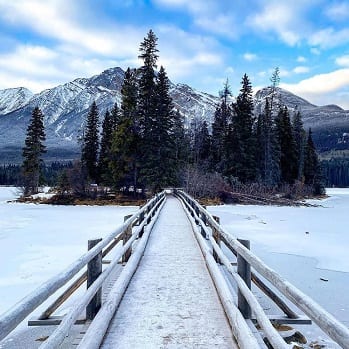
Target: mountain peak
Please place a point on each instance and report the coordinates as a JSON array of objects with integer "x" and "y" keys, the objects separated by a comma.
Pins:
[{"x": 14, "y": 98}]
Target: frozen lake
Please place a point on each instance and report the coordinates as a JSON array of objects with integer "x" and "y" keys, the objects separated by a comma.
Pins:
[
  {"x": 303, "y": 244},
  {"x": 39, "y": 241}
]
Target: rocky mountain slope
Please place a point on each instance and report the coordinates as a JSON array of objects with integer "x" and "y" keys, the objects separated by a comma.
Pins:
[
  {"x": 65, "y": 108},
  {"x": 329, "y": 123}
]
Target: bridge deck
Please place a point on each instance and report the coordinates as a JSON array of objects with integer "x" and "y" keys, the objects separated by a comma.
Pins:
[{"x": 171, "y": 301}]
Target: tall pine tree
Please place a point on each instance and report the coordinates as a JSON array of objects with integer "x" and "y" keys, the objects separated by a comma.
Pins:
[
  {"x": 244, "y": 142},
  {"x": 287, "y": 147},
  {"x": 126, "y": 147},
  {"x": 32, "y": 152},
  {"x": 90, "y": 146},
  {"x": 312, "y": 167},
  {"x": 163, "y": 158},
  {"x": 146, "y": 101},
  {"x": 299, "y": 137},
  {"x": 220, "y": 130},
  {"x": 108, "y": 128}
]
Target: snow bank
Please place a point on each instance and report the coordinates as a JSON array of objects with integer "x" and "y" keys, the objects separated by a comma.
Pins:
[
  {"x": 38, "y": 241},
  {"x": 316, "y": 232}
]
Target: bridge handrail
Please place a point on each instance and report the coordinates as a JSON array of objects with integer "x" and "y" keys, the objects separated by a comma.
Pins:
[
  {"x": 326, "y": 321},
  {"x": 13, "y": 317},
  {"x": 270, "y": 332},
  {"x": 57, "y": 337}
]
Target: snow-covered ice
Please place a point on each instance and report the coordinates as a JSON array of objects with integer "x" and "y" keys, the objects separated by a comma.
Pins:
[
  {"x": 39, "y": 241},
  {"x": 303, "y": 244},
  {"x": 316, "y": 232}
]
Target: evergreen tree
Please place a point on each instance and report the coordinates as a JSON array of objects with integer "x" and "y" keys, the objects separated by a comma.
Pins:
[
  {"x": 181, "y": 140},
  {"x": 90, "y": 146},
  {"x": 244, "y": 141},
  {"x": 201, "y": 144},
  {"x": 299, "y": 137},
  {"x": 32, "y": 152},
  {"x": 312, "y": 167},
  {"x": 267, "y": 149},
  {"x": 220, "y": 130},
  {"x": 125, "y": 148},
  {"x": 161, "y": 170},
  {"x": 114, "y": 116},
  {"x": 286, "y": 146},
  {"x": 108, "y": 128},
  {"x": 146, "y": 99}
]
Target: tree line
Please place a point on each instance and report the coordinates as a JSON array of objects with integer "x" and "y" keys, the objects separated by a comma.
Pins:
[{"x": 143, "y": 144}]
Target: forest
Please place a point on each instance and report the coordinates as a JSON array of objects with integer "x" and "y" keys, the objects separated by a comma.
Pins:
[{"x": 144, "y": 144}]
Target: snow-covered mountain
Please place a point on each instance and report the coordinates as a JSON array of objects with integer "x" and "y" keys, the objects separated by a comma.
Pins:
[
  {"x": 65, "y": 108},
  {"x": 329, "y": 123}
]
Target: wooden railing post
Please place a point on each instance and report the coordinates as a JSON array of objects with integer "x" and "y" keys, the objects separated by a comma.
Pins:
[
  {"x": 244, "y": 270},
  {"x": 217, "y": 237},
  {"x": 94, "y": 269},
  {"x": 127, "y": 236}
]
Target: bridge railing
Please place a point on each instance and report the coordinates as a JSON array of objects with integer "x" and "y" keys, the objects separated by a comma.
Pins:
[
  {"x": 12, "y": 318},
  {"x": 211, "y": 230}
]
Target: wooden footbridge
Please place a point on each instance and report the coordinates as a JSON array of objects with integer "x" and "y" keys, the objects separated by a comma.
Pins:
[{"x": 172, "y": 278}]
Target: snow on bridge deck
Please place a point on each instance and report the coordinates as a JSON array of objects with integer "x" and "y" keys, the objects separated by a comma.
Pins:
[{"x": 171, "y": 301}]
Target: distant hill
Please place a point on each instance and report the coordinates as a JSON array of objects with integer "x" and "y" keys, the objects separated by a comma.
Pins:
[
  {"x": 329, "y": 123},
  {"x": 65, "y": 108}
]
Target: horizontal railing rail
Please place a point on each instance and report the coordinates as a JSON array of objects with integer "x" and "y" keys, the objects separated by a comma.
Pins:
[
  {"x": 331, "y": 326},
  {"x": 13, "y": 317}
]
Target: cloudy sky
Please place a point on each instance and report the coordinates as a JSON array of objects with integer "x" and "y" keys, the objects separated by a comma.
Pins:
[{"x": 44, "y": 43}]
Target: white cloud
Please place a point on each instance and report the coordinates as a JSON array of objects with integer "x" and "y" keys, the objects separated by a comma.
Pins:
[
  {"x": 343, "y": 61},
  {"x": 315, "y": 51},
  {"x": 328, "y": 38},
  {"x": 301, "y": 59},
  {"x": 301, "y": 70},
  {"x": 338, "y": 11},
  {"x": 323, "y": 88},
  {"x": 250, "y": 56},
  {"x": 212, "y": 16},
  {"x": 52, "y": 20},
  {"x": 38, "y": 68},
  {"x": 280, "y": 18}
]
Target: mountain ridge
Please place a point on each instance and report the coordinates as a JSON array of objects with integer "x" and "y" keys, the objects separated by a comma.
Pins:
[{"x": 65, "y": 108}]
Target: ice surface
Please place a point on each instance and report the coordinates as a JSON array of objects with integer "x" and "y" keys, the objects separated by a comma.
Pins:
[
  {"x": 38, "y": 241},
  {"x": 306, "y": 245}
]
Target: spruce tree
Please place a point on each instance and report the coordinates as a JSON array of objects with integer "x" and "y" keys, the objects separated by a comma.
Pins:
[
  {"x": 244, "y": 141},
  {"x": 146, "y": 101},
  {"x": 126, "y": 147},
  {"x": 163, "y": 167},
  {"x": 287, "y": 147},
  {"x": 32, "y": 152},
  {"x": 299, "y": 137},
  {"x": 108, "y": 128},
  {"x": 312, "y": 167},
  {"x": 267, "y": 148},
  {"x": 181, "y": 140},
  {"x": 90, "y": 146},
  {"x": 220, "y": 130},
  {"x": 310, "y": 161},
  {"x": 201, "y": 144}
]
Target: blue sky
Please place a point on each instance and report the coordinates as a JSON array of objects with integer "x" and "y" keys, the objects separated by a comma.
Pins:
[{"x": 44, "y": 43}]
